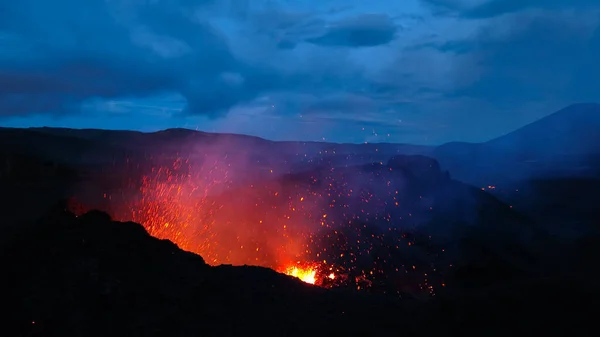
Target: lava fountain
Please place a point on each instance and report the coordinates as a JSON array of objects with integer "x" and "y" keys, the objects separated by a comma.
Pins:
[
  {"x": 312, "y": 227},
  {"x": 307, "y": 274},
  {"x": 178, "y": 203}
]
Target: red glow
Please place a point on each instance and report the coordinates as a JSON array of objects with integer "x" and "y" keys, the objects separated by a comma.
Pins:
[
  {"x": 288, "y": 226},
  {"x": 182, "y": 208}
]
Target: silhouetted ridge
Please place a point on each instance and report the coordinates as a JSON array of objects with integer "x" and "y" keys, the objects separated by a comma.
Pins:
[
  {"x": 182, "y": 133},
  {"x": 91, "y": 276},
  {"x": 563, "y": 144},
  {"x": 572, "y": 130}
]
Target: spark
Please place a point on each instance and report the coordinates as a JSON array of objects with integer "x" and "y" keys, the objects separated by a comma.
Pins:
[{"x": 315, "y": 230}]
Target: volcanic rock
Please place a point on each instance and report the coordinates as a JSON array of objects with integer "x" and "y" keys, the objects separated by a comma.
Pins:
[
  {"x": 91, "y": 276},
  {"x": 420, "y": 169}
]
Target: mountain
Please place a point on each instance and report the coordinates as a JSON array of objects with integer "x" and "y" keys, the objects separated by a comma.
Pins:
[
  {"x": 64, "y": 149},
  {"x": 247, "y": 157},
  {"x": 572, "y": 131},
  {"x": 565, "y": 143},
  {"x": 178, "y": 138}
]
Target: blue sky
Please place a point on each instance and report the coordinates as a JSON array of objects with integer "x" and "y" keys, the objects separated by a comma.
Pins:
[{"x": 416, "y": 71}]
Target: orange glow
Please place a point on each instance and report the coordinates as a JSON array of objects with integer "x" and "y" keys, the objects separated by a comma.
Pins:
[
  {"x": 306, "y": 274},
  {"x": 302, "y": 229},
  {"x": 189, "y": 210}
]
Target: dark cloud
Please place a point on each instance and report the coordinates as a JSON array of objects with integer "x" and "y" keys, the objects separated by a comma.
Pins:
[
  {"x": 360, "y": 31},
  {"x": 445, "y": 7},
  {"x": 102, "y": 49},
  {"x": 541, "y": 58},
  {"x": 584, "y": 84},
  {"x": 498, "y": 7},
  {"x": 286, "y": 28},
  {"x": 291, "y": 28},
  {"x": 56, "y": 56},
  {"x": 252, "y": 55},
  {"x": 492, "y": 8},
  {"x": 286, "y": 44}
]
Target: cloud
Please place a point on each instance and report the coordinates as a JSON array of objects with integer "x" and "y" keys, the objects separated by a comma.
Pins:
[
  {"x": 58, "y": 56},
  {"x": 487, "y": 76},
  {"x": 472, "y": 73},
  {"x": 483, "y": 9},
  {"x": 361, "y": 31},
  {"x": 100, "y": 49},
  {"x": 494, "y": 8},
  {"x": 539, "y": 58},
  {"x": 445, "y": 7},
  {"x": 286, "y": 28}
]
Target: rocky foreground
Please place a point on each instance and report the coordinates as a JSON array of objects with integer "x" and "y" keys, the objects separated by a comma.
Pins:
[{"x": 91, "y": 276}]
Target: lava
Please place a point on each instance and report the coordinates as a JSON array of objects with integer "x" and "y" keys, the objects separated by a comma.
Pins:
[
  {"x": 306, "y": 274},
  {"x": 310, "y": 227}
]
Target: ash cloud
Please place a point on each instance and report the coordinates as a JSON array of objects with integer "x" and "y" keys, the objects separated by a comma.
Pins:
[{"x": 361, "y": 31}]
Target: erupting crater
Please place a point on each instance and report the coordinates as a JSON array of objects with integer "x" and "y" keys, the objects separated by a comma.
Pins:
[
  {"x": 181, "y": 207},
  {"x": 314, "y": 228},
  {"x": 305, "y": 274}
]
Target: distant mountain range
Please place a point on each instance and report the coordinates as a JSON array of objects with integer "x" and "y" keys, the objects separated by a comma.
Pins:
[{"x": 565, "y": 143}]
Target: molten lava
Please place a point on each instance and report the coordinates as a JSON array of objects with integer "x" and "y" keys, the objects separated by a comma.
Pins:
[{"x": 306, "y": 274}]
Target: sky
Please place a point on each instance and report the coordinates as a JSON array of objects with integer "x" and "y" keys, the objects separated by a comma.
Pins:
[{"x": 410, "y": 71}]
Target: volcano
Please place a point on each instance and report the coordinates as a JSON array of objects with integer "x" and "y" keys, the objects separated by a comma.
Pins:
[
  {"x": 390, "y": 227},
  {"x": 562, "y": 144}
]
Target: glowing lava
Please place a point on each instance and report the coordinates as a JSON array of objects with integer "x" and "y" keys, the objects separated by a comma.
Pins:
[
  {"x": 305, "y": 274},
  {"x": 310, "y": 227}
]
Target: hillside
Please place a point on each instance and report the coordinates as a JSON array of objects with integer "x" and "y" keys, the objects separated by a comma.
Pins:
[
  {"x": 572, "y": 131},
  {"x": 90, "y": 276},
  {"x": 565, "y": 143}
]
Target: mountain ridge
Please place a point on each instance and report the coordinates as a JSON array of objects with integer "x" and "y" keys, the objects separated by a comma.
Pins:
[
  {"x": 582, "y": 111},
  {"x": 563, "y": 143}
]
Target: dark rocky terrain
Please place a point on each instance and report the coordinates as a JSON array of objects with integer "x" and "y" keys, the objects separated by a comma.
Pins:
[
  {"x": 90, "y": 276},
  {"x": 506, "y": 232}
]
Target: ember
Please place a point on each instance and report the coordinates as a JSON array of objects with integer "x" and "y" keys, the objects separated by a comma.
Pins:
[
  {"x": 312, "y": 228},
  {"x": 176, "y": 205}
]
